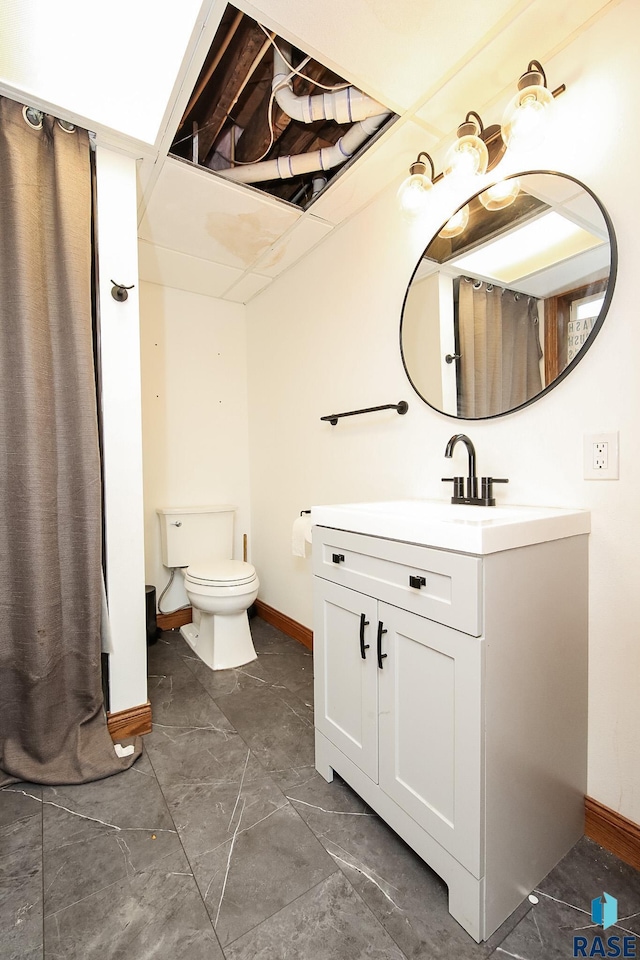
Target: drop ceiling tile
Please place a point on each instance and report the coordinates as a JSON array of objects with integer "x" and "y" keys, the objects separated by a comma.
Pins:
[
  {"x": 306, "y": 234},
  {"x": 393, "y": 51},
  {"x": 198, "y": 213},
  {"x": 540, "y": 29},
  {"x": 114, "y": 63},
  {"x": 247, "y": 288},
  {"x": 184, "y": 272}
]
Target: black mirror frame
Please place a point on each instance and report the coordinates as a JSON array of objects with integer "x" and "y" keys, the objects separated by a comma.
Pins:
[{"x": 596, "y": 327}]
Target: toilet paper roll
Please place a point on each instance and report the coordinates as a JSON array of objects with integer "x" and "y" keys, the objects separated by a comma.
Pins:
[{"x": 301, "y": 535}]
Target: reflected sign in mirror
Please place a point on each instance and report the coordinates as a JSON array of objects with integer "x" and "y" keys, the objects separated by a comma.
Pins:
[{"x": 508, "y": 296}]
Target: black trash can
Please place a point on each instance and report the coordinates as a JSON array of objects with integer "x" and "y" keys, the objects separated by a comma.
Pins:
[{"x": 152, "y": 626}]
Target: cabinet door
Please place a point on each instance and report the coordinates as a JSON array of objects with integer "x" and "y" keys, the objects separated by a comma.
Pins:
[
  {"x": 346, "y": 694},
  {"x": 431, "y": 729}
]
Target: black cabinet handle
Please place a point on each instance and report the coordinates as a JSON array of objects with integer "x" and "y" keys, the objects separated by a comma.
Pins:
[
  {"x": 381, "y": 655},
  {"x": 338, "y": 557},
  {"x": 363, "y": 646},
  {"x": 417, "y": 582}
]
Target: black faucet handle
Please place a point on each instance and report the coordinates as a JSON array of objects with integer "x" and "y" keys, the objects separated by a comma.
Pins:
[
  {"x": 486, "y": 488},
  {"x": 458, "y": 485}
]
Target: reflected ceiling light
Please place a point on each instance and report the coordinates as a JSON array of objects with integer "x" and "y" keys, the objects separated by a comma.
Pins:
[
  {"x": 456, "y": 224},
  {"x": 413, "y": 192},
  {"x": 529, "y": 248},
  {"x": 526, "y": 115},
  {"x": 501, "y": 194}
]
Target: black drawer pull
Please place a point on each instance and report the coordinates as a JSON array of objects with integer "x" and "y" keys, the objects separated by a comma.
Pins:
[
  {"x": 381, "y": 655},
  {"x": 363, "y": 646},
  {"x": 417, "y": 582},
  {"x": 338, "y": 557}
]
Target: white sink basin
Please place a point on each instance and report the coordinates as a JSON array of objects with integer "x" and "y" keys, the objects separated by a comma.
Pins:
[{"x": 438, "y": 523}]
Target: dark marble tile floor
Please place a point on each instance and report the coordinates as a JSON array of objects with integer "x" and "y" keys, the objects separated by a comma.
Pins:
[{"x": 223, "y": 842}]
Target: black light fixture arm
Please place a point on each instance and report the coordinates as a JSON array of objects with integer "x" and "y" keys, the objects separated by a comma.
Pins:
[
  {"x": 419, "y": 166},
  {"x": 477, "y": 118},
  {"x": 536, "y": 65}
]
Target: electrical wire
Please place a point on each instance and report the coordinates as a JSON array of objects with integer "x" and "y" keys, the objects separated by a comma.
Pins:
[
  {"x": 296, "y": 70},
  {"x": 272, "y": 133}
]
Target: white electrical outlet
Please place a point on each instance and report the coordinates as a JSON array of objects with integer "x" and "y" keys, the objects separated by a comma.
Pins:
[{"x": 601, "y": 456}]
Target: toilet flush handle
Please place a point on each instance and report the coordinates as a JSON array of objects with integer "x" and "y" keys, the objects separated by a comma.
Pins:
[{"x": 176, "y": 523}]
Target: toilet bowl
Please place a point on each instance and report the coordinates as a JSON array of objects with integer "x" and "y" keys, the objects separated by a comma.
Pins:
[
  {"x": 199, "y": 542},
  {"x": 220, "y": 593}
]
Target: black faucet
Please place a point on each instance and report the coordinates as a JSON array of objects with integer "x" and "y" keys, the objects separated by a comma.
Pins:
[{"x": 486, "y": 498}]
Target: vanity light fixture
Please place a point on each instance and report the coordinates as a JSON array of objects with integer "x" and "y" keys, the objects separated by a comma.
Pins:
[
  {"x": 478, "y": 149},
  {"x": 413, "y": 192}
]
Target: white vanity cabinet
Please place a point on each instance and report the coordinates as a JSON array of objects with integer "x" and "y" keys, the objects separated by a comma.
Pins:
[{"x": 450, "y": 693}]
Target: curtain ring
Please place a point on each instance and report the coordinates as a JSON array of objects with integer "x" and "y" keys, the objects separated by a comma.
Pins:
[
  {"x": 477, "y": 284},
  {"x": 33, "y": 117},
  {"x": 489, "y": 288},
  {"x": 66, "y": 126}
]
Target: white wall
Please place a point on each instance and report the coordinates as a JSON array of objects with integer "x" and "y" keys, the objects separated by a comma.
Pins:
[
  {"x": 330, "y": 330},
  {"x": 194, "y": 409},
  {"x": 122, "y": 441},
  {"x": 421, "y": 336}
]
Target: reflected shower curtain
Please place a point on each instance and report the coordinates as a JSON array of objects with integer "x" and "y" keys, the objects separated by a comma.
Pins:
[
  {"x": 500, "y": 349},
  {"x": 52, "y": 724}
]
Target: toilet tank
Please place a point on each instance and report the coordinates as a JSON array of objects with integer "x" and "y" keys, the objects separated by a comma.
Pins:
[{"x": 191, "y": 535}]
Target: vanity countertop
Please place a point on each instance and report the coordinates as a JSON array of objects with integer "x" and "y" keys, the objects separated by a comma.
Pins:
[{"x": 469, "y": 529}]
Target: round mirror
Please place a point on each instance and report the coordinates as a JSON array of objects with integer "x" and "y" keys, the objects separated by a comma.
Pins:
[{"x": 508, "y": 296}]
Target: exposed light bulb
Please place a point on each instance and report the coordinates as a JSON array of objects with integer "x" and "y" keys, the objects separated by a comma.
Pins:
[
  {"x": 413, "y": 194},
  {"x": 456, "y": 224},
  {"x": 501, "y": 194},
  {"x": 525, "y": 118},
  {"x": 468, "y": 156}
]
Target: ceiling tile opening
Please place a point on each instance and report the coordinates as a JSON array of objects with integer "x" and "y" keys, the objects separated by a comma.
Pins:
[{"x": 266, "y": 114}]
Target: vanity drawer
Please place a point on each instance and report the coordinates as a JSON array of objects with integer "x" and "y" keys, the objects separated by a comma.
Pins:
[{"x": 443, "y": 586}]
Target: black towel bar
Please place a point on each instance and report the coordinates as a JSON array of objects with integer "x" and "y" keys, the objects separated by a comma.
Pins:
[{"x": 401, "y": 407}]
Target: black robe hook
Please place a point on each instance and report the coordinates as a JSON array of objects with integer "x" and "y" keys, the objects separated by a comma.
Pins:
[{"x": 119, "y": 291}]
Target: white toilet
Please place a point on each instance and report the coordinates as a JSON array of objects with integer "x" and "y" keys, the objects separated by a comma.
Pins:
[{"x": 220, "y": 590}]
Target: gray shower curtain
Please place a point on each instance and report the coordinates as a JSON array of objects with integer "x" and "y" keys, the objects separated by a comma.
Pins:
[
  {"x": 500, "y": 349},
  {"x": 52, "y": 722}
]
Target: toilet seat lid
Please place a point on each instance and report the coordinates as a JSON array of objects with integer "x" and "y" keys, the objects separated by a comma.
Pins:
[{"x": 223, "y": 572}]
